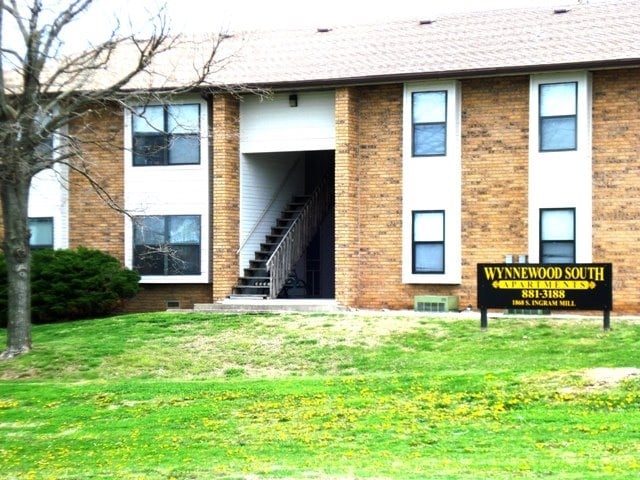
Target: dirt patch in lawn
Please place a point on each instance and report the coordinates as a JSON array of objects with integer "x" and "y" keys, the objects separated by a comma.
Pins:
[
  {"x": 600, "y": 378},
  {"x": 589, "y": 380}
]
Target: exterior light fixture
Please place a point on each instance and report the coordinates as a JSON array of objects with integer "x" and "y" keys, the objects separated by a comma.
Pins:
[{"x": 293, "y": 100}]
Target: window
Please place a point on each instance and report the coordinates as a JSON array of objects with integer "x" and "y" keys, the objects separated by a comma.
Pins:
[
  {"x": 41, "y": 233},
  {"x": 167, "y": 245},
  {"x": 166, "y": 135},
  {"x": 431, "y": 154},
  {"x": 429, "y": 120},
  {"x": 558, "y": 116},
  {"x": 428, "y": 242},
  {"x": 557, "y": 235}
]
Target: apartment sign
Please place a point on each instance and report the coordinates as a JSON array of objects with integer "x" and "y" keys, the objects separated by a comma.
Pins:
[{"x": 572, "y": 286}]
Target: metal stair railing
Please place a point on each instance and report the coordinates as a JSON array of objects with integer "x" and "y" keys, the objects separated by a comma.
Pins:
[{"x": 297, "y": 237}]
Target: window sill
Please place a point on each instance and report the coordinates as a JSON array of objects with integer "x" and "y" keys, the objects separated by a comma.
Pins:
[{"x": 436, "y": 279}]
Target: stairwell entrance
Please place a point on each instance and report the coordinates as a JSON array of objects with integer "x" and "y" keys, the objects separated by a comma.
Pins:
[{"x": 287, "y": 225}]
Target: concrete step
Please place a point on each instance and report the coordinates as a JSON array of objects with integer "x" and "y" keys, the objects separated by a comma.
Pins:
[{"x": 256, "y": 304}]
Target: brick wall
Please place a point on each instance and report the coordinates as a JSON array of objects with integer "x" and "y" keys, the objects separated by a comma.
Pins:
[
  {"x": 495, "y": 157},
  {"x": 379, "y": 197},
  {"x": 495, "y": 128},
  {"x": 94, "y": 224},
  {"x": 347, "y": 204},
  {"x": 495, "y": 131},
  {"x": 494, "y": 148},
  {"x": 616, "y": 181},
  {"x": 226, "y": 194},
  {"x": 91, "y": 222},
  {"x": 155, "y": 297}
]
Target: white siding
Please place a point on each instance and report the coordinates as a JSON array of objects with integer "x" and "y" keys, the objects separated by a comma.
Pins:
[
  {"x": 49, "y": 197},
  {"x": 562, "y": 179},
  {"x": 170, "y": 190},
  {"x": 273, "y": 138},
  {"x": 433, "y": 183},
  {"x": 268, "y": 182},
  {"x": 269, "y": 124}
]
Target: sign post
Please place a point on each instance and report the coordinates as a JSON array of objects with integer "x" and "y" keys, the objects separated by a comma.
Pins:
[{"x": 574, "y": 286}]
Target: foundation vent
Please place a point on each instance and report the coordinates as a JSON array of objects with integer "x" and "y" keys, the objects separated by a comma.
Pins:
[{"x": 435, "y": 303}]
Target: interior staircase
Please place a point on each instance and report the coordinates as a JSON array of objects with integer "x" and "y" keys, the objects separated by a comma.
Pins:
[{"x": 256, "y": 281}]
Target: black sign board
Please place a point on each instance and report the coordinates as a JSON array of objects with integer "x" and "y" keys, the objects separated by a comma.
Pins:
[{"x": 574, "y": 286}]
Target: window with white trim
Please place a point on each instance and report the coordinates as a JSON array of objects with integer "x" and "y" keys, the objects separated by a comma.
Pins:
[
  {"x": 558, "y": 116},
  {"x": 166, "y": 134},
  {"x": 429, "y": 123},
  {"x": 431, "y": 145},
  {"x": 428, "y": 241},
  {"x": 41, "y": 233},
  {"x": 167, "y": 245},
  {"x": 557, "y": 235}
]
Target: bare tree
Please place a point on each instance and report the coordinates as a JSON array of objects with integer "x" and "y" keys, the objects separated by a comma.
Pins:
[{"x": 44, "y": 89}]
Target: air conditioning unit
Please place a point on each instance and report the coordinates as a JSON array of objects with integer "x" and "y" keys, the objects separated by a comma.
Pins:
[{"x": 435, "y": 303}]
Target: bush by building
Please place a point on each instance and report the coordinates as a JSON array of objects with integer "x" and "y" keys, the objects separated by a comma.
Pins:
[{"x": 73, "y": 284}]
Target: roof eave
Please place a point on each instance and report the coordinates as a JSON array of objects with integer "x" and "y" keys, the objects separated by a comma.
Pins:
[{"x": 467, "y": 73}]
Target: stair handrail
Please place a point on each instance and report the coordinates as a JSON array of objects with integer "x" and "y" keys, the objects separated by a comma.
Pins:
[
  {"x": 298, "y": 235},
  {"x": 275, "y": 196}
]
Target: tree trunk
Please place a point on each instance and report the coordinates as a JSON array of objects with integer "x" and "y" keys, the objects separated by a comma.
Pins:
[{"x": 15, "y": 203}]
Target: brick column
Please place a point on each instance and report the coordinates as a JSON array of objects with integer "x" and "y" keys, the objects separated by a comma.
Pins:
[
  {"x": 226, "y": 194},
  {"x": 616, "y": 169},
  {"x": 347, "y": 204},
  {"x": 91, "y": 222}
]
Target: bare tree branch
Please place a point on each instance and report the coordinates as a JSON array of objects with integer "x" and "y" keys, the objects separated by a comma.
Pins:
[
  {"x": 97, "y": 186},
  {"x": 45, "y": 94}
]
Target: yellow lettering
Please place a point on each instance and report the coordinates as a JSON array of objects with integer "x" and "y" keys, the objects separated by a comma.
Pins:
[
  {"x": 596, "y": 274},
  {"x": 490, "y": 273}
]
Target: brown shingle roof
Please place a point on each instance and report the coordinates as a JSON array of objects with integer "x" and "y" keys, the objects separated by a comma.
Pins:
[
  {"x": 584, "y": 36},
  {"x": 597, "y": 35}
]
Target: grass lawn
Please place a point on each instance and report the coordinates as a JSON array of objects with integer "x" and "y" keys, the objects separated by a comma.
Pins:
[{"x": 194, "y": 397}]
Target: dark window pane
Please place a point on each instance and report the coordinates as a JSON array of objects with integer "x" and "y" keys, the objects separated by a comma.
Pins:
[
  {"x": 184, "y": 149},
  {"x": 429, "y": 258},
  {"x": 148, "y": 150},
  {"x": 558, "y": 252},
  {"x": 429, "y": 139},
  {"x": 166, "y": 135},
  {"x": 149, "y": 260},
  {"x": 184, "y": 260},
  {"x": 558, "y": 133},
  {"x": 167, "y": 245}
]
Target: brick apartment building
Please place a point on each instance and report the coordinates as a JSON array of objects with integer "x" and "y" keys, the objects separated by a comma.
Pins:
[{"x": 420, "y": 149}]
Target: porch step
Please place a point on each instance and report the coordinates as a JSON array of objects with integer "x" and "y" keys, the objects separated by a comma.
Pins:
[
  {"x": 257, "y": 273},
  {"x": 247, "y": 304},
  {"x": 251, "y": 290},
  {"x": 258, "y": 263},
  {"x": 254, "y": 281}
]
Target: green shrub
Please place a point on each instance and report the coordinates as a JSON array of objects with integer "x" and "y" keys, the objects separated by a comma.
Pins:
[{"x": 72, "y": 285}]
